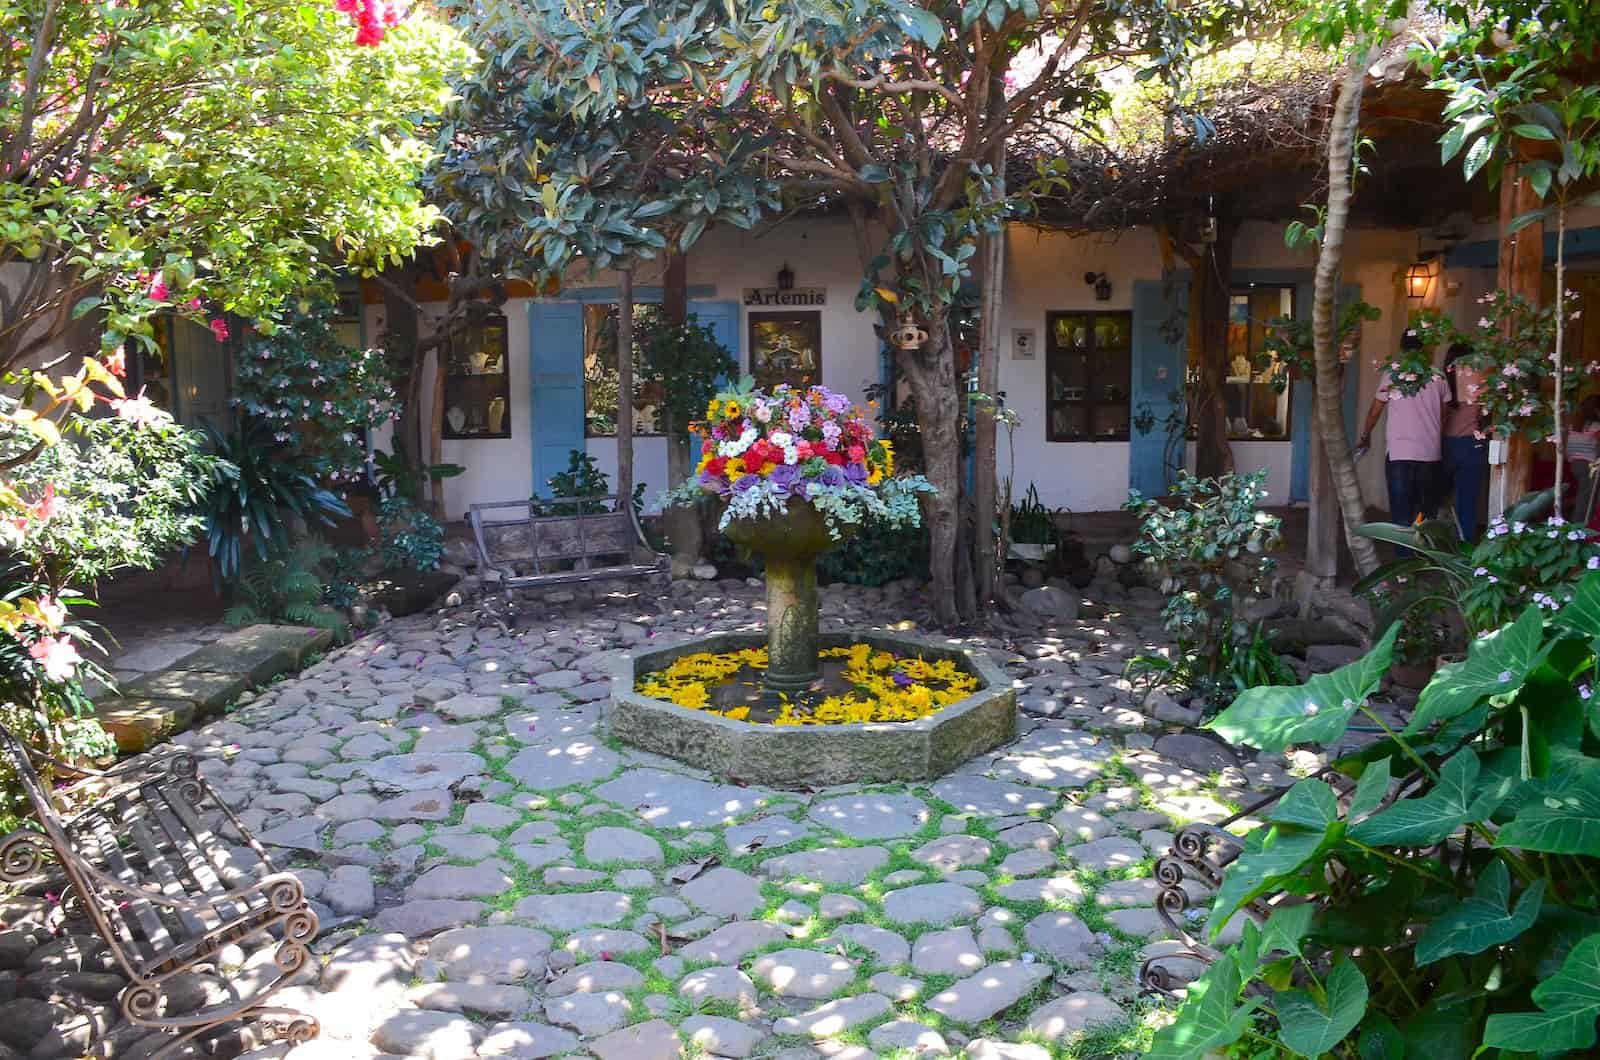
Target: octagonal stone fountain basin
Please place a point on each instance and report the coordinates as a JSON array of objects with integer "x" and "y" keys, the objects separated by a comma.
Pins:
[{"x": 816, "y": 755}]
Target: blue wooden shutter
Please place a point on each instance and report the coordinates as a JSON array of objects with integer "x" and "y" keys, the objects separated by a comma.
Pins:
[
  {"x": 556, "y": 374},
  {"x": 723, "y": 320},
  {"x": 1160, "y": 361}
]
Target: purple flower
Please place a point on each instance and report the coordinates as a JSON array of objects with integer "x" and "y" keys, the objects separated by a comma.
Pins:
[
  {"x": 855, "y": 474},
  {"x": 901, "y": 680},
  {"x": 787, "y": 477},
  {"x": 837, "y": 404},
  {"x": 746, "y": 483},
  {"x": 832, "y": 475}
]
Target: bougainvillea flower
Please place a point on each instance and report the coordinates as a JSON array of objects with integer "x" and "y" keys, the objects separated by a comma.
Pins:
[{"x": 56, "y": 655}]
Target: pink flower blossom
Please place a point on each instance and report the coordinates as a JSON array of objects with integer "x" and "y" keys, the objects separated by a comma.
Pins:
[
  {"x": 57, "y": 655},
  {"x": 51, "y": 610},
  {"x": 158, "y": 289},
  {"x": 48, "y": 506},
  {"x": 219, "y": 328},
  {"x": 140, "y": 411}
]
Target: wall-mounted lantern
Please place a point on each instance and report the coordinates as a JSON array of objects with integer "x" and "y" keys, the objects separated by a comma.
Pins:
[
  {"x": 1418, "y": 277},
  {"x": 786, "y": 278},
  {"x": 1101, "y": 284}
]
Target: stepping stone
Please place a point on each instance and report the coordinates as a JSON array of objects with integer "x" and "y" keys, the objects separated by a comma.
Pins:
[
  {"x": 538, "y": 855},
  {"x": 362, "y": 831},
  {"x": 460, "y": 881},
  {"x": 932, "y": 903},
  {"x": 718, "y": 984},
  {"x": 635, "y": 879},
  {"x": 564, "y": 876},
  {"x": 1051, "y": 757},
  {"x": 371, "y": 966},
  {"x": 1034, "y": 834},
  {"x": 1063, "y": 937},
  {"x": 568, "y": 912},
  {"x": 1128, "y": 893},
  {"x": 446, "y": 738},
  {"x": 1064, "y": 889},
  {"x": 467, "y": 707},
  {"x": 839, "y": 906},
  {"x": 1139, "y": 923},
  {"x": 896, "y": 987},
  {"x": 595, "y": 977},
  {"x": 720, "y": 1036},
  {"x": 487, "y": 999},
  {"x": 557, "y": 679},
  {"x": 951, "y": 853},
  {"x": 1067, "y": 1019},
  {"x": 428, "y": 1035},
  {"x": 525, "y": 1041},
  {"x": 427, "y": 917},
  {"x": 768, "y": 833},
  {"x": 909, "y": 1036},
  {"x": 654, "y": 1040},
  {"x": 301, "y": 834},
  {"x": 952, "y": 952},
  {"x": 548, "y": 718},
  {"x": 996, "y": 939},
  {"x": 349, "y": 891},
  {"x": 467, "y": 847},
  {"x": 724, "y": 892},
  {"x": 886, "y": 947},
  {"x": 546, "y": 768},
  {"x": 990, "y": 992},
  {"x": 994, "y": 1049},
  {"x": 670, "y": 800},
  {"x": 836, "y": 1017},
  {"x": 589, "y": 1014},
  {"x": 433, "y": 804},
  {"x": 1029, "y": 862},
  {"x": 872, "y": 815},
  {"x": 842, "y": 866},
  {"x": 1113, "y": 852},
  {"x": 355, "y": 806},
  {"x": 668, "y": 907},
  {"x": 622, "y": 846},
  {"x": 490, "y": 815},
  {"x": 803, "y": 973},
  {"x": 1200, "y": 753},
  {"x": 1079, "y": 824},
  {"x": 492, "y": 954},
  {"x": 408, "y": 772},
  {"x": 992, "y": 798},
  {"x": 602, "y": 943}
]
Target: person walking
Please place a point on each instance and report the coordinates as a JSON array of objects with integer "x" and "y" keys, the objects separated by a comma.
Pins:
[
  {"x": 1465, "y": 446},
  {"x": 1414, "y": 441},
  {"x": 1583, "y": 451}
]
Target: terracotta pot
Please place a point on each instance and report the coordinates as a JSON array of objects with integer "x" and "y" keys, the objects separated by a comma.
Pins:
[{"x": 1411, "y": 675}]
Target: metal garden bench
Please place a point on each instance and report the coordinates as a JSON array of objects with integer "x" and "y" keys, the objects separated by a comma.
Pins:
[
  {"x": 140, "y": 849},
  {"x": 562, "y": 539}
]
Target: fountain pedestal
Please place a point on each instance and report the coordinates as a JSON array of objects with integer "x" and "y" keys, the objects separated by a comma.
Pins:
[{"x": 791, "y": 544}]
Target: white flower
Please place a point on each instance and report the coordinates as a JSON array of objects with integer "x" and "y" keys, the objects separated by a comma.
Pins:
[
  {"x": 1505, "y": 677},
  {"x": 1311, "y": 710}
]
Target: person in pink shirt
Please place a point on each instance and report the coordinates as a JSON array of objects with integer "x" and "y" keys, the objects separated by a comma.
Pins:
[
  {"x": 1414, "y": 438},
  {"x": 1466, "y": 448}
]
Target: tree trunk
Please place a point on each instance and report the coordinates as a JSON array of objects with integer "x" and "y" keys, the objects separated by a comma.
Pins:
[
  {"x": 988, "y": 554},
  {"x": 400, "y": 344},
  {"x": 1561, "y": 332},
  {"x": 1325, "y": 348},
  {"x": 625, "y": 392},
  {"x": 931, "y": 373},
  {"x": 1520, "y": 272},
  {"x": 1208, "y": 312},
  {"x": 684, "y": 529}
]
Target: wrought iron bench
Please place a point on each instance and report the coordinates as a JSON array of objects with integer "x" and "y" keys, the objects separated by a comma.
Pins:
[
  {"x": 143, "y": 861},
  {"x": 562, "y": 539}
]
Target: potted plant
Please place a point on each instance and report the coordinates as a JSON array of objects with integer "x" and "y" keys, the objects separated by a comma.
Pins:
[{"x": 1034, "y": 533}]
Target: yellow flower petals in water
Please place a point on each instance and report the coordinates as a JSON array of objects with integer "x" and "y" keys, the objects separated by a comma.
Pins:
[{"x": 886, "y": 687}]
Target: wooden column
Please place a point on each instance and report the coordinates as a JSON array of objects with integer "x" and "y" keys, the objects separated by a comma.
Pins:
[
  {"x": 1324, "y": 521},
  {"x": 625, "y": 392},
  {"x": 1521, "y": 272}
]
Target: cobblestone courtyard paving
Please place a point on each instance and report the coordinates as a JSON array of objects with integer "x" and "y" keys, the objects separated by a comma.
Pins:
[{"x": 498, "y": 879}]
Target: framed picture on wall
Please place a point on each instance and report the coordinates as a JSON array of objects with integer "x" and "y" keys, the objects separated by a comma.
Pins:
[{"x": 786, "y": 348}]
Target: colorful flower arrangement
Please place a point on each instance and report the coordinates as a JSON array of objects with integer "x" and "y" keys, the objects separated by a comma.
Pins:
[
  {"x": 884, "y": 687},
  {"x": 760, "y": 451}
]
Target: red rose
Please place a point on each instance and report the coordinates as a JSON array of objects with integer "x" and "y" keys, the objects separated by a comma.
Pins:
[
  {"x": 717, "y": 465},
  {"x": 834, "y": 457}
]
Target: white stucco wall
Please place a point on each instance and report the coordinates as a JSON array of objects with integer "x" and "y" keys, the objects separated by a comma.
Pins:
[{"x": 1044, "y": 273}]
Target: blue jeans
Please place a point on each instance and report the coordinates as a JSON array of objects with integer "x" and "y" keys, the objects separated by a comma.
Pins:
[
  {"x": 1466, "y": 466},
  {"x": 1411, "y": 489}
]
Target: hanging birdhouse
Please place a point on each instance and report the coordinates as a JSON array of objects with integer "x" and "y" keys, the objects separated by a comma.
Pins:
[{"x": 908, "y": 336}]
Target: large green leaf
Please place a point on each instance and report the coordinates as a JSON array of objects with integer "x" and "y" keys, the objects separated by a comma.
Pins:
[
  {"x": 1496, "y": 664},
  {"x": 1569, "y": 1002},
  {"x": 1557, "y": 816},
  {"x": 1370, "y": 789},
  {"x": 1309, "y": 820},
  {"x": 1286, "y": 927},
  {"x": 1486, "y": 919},
  {"x": 1436, "y": 815},
  {"x": 1581, "y": 615},
  {"x": 1273, "y": 717},
  {"x": 1311, "y": 1027},
  {"x": 1212, "y": 1016}
]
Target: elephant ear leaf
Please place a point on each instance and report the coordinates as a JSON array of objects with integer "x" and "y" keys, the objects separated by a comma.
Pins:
[
  {"x": 1581, "y": 614},
  {"x": 1569, "y": 1005},
  {"x": 1496, "y": 664},
  {"x": 1559, "y": 816},
  {"x": 1272, "y": 717},
  {"x": 1436, "y": 816},
  {"x": 1486, "y": 919},
  {"x": 1212, "y": 1016},
  {"x": 1305, "y": 821},
  {"x": 1310, "y": 1027}
]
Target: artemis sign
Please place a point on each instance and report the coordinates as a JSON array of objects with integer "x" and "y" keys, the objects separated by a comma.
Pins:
[{"x": 777, "y": 296}]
